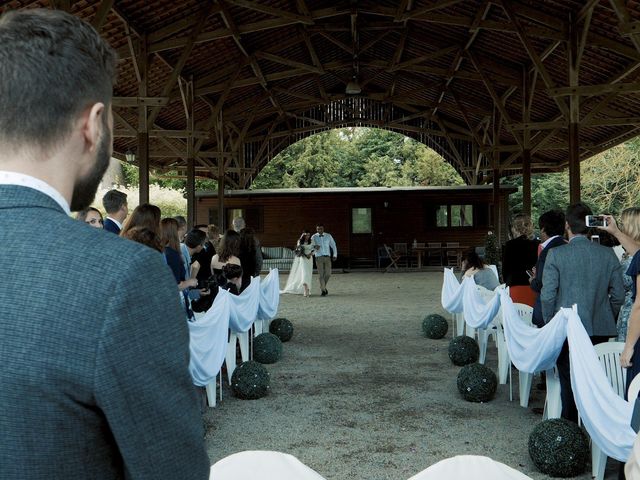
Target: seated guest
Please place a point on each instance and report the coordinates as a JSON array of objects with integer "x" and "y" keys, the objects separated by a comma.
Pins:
[
  {"x": 551, "y": 226},
  {"x": 248, "y": 256},
  {"x": 519, "y": 255},
  {"x": 90, "y": 216},
  {"x": 473, "y": 266},
  {"x": 233, "y": 276},
  {"x": 228, "y": 252}
]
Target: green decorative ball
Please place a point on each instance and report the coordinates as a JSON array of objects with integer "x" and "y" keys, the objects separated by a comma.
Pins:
[
  {"x": 267, "y": 348},
  {"x": 477, "y": 383},
  {"x": 435, "y": 326},
  {"x": 281, "y": 327},
  {"x": 250, "y": 380},
  {"x": 558, "y": 448},
  {"x": 463, "y": 350}
]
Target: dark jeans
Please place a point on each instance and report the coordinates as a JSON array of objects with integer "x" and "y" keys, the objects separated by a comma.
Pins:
[{"x": 569, "y": 410}]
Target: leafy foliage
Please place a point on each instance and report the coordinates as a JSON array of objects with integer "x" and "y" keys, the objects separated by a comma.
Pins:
[{"x": 361, "y": 157}]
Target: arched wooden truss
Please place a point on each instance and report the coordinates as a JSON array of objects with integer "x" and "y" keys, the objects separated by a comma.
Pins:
[{"x": 216, "y": 88}]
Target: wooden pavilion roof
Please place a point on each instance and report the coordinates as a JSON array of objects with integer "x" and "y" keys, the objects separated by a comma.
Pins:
[{"x": 230, "y": 83}]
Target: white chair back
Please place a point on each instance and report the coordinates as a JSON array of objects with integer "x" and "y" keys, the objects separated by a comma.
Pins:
[
  {"x": 634, "y": 389},
  {"x": 609, "y": 356}
]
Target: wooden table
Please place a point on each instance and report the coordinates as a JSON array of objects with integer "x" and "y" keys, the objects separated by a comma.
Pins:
[{"x": 420, "y": 252}]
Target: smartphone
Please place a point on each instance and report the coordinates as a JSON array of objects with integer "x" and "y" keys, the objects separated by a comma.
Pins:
[
  {"x": 594, "y": 221},
  {"x": 595, "y": 238}
]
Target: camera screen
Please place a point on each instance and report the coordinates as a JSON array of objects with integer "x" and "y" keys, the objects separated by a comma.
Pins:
[{"x": 595, "y": 221}]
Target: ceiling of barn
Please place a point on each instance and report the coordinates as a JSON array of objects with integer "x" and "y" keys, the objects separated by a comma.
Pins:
[{"x": 230, "y": 83}]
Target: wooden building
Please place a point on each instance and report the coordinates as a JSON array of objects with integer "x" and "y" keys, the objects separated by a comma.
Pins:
[{"x": 361, "y": 219}]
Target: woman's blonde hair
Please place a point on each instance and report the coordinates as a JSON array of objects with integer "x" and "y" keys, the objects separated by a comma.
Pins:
[
  {"x": 522, "y": 225},
  {"x": 630, "y": 219}
]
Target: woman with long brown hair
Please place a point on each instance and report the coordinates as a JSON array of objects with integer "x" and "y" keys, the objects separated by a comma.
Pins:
[
  {"x": 144, "y": 215},
  {"x": 228, "y": 252}
]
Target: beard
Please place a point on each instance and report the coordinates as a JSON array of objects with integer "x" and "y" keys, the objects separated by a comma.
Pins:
[{"x": 84, "y": 191}]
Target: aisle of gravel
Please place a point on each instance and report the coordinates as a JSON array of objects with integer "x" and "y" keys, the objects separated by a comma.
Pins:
[{"x": 361, "y": 394}]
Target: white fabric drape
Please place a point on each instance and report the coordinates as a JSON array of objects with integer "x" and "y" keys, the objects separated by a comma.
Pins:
[
  {"x": 605, "y": 415},
  {"x": 532, "y": 349},
  {"x": 478, "y": 313},
  {"x": 451, "y": 296},
  {"x": 262, "y": 465},
  {"x": 208, "y": 334},
  {"x": 463, "y": 467},
  {"x": 244, "y": 308},
  {"x": 269, "y": 296},
  {"x": 208, "y": 340}
]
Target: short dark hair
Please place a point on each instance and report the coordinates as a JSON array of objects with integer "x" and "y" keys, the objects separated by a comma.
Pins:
[
  {"x": 182, "y": 222},
  {"x": 52, "y": 66},
  {"x": 231, "y": 271},
  {"x": 195, "y": 238},
  {"x": 552, "y": 222},
  {"x": 473, "y": 259},
  {"x": 575, "y": 217},
  {"x": 113, "y": 200}
]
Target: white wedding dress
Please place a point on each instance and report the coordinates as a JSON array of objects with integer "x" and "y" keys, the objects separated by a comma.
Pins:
[{"x": 301, "y": 271}]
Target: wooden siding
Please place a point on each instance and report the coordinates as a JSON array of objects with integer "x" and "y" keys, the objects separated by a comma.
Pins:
[{"x": 404, "y": 218}]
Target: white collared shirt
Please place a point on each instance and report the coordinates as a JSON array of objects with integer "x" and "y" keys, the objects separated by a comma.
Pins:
[
  {"x": 115, "y": 221},
  {"x": 546, "y": 242},
  {"x": 22, "y": 180}
]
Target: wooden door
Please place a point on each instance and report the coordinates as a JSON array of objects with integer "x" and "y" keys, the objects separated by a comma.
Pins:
[{"x": 363, "y": 248}]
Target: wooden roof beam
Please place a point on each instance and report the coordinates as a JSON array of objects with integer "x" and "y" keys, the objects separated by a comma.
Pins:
[
  {"x": 290, "y": 63},
  {"x": 425, "y": 10},
  {"x": 276, "y": 12},
  {"x": 101, "y": 14},
  {"x": 591, "y": 90},
  {"x": 627, "y": 26}
]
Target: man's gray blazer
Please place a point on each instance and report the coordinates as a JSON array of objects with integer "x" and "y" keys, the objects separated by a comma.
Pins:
[
  {"x": 94, "y": 380},
  {"x": 589, "y": 275}
]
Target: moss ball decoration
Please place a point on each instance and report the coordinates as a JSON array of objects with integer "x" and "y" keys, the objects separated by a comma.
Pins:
[
  {"x": 434, "y": 326},
  {"x": 281, "y": 327},
  {"x": 477, "y": 383},
  {"x": 267, "y": 348},
  {"x": 558, "y": 448},
  {"x": 463, "y": 350},
  {"x": 250, "y": 381}
]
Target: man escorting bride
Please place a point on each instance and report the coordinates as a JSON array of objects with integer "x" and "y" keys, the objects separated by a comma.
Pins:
[{"x": 299, "y": 281}]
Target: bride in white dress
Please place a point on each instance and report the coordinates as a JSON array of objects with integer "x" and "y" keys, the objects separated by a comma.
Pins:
[{"x": 299, "y": 281}]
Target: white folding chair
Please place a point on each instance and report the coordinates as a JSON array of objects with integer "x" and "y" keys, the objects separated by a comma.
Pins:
[
  {"x": 553, "y": 401},
  {"x": 484, "y": 333},
  {"x": 609, "y": 356},
  {"x": 524, "y": 378},
  {"x": 634, "y": 389}
]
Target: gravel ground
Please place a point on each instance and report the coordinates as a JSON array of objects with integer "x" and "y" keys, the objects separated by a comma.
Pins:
[{"x": 360, "y": 393}]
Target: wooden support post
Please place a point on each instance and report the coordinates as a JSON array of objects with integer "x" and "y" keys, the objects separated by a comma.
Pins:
[
  {"x": 191, "y": 168},
  {"x": 574, "y": 163},
  {"x": 143, "y": 165},
  {"x": 497, "y": 216},
  {"x": 526, "y": 182},
  {"x": 143, "y": 132},
  {"x": 574, "y": 114},
  {"x": 221, "y": 160}
]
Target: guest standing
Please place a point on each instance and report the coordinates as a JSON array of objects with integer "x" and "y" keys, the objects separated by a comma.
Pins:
[
  {"x": 628, "y": 234},
  {"x": 94, "y": 381},
  {"x": 115, "y": 204},
  {"x": 325, "y": 252},
  {"x": 299, "y": 281},
  {"x": 519, "y": 255},
  {"x": 551, "y": 226},
  {"x": 589, "y": 275},
  {"x": 91, "y": 216}
]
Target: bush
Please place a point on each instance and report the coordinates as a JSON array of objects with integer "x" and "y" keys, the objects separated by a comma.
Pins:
[
  {"x": 267, "y": 348},
  {"x": 282, "y": 328},
  {"x": 250, "y": 381},
  {"x": 477, "y": 383},
  {"x": 558, "y": 448},
  {"x": 435, "y": 326},
  {"x": 463, "y": 350}
]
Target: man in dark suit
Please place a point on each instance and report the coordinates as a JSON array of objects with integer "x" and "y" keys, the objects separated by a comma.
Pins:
[
  {"x": 115, "y": 204},
  {"x": 94, "y": 381},
  {"x": 589, "y": 275},
  {"x": 551, "y": 226}
]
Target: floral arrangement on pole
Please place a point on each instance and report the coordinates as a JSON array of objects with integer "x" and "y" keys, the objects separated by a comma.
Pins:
[{"x": 491, "y": 249}]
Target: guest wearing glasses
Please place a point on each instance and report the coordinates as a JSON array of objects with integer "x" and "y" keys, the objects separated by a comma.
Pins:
[{"x": 91, "y": 216}]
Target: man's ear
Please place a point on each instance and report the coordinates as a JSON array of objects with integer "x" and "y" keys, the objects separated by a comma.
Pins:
[{"x": 92, "y": 126}]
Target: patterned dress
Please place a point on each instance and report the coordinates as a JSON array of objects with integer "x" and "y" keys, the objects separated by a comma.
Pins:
[{"x": 625, "y": 311}]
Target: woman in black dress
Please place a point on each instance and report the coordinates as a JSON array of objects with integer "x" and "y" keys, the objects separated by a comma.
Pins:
[{"x": 519, "y": 255}]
